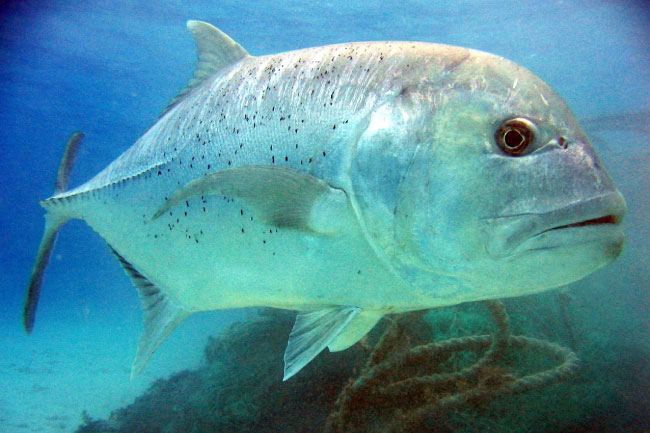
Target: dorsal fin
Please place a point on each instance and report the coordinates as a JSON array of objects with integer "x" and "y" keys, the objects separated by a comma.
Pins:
[{"x": 215, "y": 50}]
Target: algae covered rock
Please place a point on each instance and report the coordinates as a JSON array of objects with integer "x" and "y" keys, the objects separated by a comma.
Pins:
[{"x": 240, "y": 388}]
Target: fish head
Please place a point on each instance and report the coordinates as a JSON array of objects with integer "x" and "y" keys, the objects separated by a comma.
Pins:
[{"x": 502, "y": 192}]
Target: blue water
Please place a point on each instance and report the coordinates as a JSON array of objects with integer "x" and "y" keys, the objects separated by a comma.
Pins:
[{"x": 109, "y": 68}]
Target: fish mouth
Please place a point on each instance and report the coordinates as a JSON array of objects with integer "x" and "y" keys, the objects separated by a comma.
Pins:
[
  {"x": 597, "y": 219},
  {"x": 607, "y": 219}
]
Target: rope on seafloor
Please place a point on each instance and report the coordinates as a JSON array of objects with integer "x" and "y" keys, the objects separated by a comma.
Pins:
[{"x": 387, "y": 383}]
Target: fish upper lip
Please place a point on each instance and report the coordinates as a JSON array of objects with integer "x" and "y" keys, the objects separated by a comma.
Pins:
[{"x": 504, "y": 238}]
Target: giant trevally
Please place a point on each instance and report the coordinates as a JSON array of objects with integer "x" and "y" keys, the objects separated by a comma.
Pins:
[{"x": 347, "y": 182}]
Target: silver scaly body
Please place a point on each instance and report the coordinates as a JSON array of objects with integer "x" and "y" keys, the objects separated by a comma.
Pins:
[{"x": 347, "y": 181}]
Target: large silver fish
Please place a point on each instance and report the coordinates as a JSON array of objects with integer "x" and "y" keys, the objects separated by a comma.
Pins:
[{"x": 348, "y": 182}]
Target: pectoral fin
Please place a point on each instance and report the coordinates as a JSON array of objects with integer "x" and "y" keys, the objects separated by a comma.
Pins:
[
  {"x": 281, "y": 197},
  {"x": 312, "y": 332}
]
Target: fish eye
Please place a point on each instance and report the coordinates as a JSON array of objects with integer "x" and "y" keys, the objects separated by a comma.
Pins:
[{"x": 515, "y": 135}]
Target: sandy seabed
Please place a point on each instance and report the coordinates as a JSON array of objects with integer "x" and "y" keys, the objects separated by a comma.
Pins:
[{"x": 65, "y": 368}]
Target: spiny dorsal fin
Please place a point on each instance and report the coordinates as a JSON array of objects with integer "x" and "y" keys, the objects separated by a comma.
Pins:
[{"x": 215, "y": 50}]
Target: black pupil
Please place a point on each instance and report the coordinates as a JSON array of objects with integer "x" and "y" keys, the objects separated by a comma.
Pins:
[{"x": 513, "y": 138}]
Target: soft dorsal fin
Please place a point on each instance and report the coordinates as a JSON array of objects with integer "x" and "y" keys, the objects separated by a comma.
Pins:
[{"x": 215, "y": 50}]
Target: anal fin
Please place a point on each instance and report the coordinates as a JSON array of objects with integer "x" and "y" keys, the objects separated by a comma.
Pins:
[
  {"x": 161, "y": 315},
  {"x": 312, "y": 332}
]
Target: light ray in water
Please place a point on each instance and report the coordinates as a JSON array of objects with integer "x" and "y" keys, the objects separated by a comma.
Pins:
[{"x": 638, "y": 121}]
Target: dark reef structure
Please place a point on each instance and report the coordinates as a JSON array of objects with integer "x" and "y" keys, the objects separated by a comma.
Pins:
[
  {"x": 403, "y": 382},
  {"x": 391, "y": 380},
  {"x": 240, "y": 388}
]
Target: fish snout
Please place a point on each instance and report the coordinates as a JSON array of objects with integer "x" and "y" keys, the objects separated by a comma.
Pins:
[{"x": 588, "y": 159}]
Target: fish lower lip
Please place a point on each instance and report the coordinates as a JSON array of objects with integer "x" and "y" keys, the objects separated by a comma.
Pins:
[{"x": 607, "y": 219}]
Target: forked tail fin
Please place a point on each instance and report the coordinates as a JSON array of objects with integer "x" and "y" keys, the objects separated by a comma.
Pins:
[{"x": 52, "y": 224}]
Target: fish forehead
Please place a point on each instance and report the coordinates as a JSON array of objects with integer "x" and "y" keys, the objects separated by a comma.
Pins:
[{"x": 359, "y": 74}]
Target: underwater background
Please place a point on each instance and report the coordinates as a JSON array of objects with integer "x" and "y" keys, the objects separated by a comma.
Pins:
[{"x": 110, "y": 67}]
